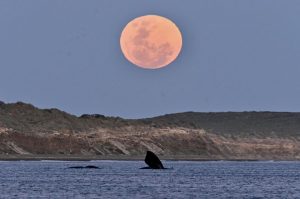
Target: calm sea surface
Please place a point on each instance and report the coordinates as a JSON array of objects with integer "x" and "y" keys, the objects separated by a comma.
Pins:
[{"x": 124, "y": 179}]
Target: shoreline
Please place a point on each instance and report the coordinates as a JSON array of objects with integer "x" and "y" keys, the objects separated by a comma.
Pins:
[{"x": 127, "y": 158}]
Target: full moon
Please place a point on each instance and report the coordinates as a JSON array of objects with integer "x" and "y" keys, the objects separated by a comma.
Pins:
[{"x": 151, "y": 41}]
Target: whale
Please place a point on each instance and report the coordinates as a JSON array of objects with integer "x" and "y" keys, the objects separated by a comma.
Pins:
[
  {"x": 84, "y": 167},
  {"x": 153, "y": 161}
]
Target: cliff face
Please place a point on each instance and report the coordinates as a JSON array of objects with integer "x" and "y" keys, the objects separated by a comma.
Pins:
[{"x": 25, "y": 130}]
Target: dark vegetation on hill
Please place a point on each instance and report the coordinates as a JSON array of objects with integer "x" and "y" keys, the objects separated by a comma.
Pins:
[
  {"x": 27, "y": 118},
  {"x": 282, "y": 124}
]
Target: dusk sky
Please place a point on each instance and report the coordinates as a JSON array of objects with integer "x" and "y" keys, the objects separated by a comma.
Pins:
[{"x": 236, "y": 56}]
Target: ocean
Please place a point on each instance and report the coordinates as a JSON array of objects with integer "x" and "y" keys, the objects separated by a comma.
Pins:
[{"x": 124, "y": 179}]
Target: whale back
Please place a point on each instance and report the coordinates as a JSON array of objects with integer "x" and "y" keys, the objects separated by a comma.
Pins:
[{"x": 153, "y": 161}]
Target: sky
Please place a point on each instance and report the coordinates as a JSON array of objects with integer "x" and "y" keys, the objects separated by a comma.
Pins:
[{"x": 236, "y": 56}]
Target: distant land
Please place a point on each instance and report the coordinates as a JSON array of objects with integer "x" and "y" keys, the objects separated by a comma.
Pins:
[{"x": 27, "y": 132}]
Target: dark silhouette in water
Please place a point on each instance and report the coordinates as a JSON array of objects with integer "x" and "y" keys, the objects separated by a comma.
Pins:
[
  {"x": 152, "y": 161},
  {"x": 84, "y": 167}
]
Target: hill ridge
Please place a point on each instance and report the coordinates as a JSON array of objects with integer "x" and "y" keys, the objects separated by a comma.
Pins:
[{"x": 27, "y": 130}]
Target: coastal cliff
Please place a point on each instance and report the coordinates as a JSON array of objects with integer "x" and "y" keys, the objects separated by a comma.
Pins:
[{"x": 26, "y": 131}]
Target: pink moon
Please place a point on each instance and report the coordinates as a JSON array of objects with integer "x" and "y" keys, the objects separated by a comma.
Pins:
[{"x": 151, "y": 41}]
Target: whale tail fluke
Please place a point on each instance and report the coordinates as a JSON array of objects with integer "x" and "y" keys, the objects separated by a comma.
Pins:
[{"x": 153, "y": 161}]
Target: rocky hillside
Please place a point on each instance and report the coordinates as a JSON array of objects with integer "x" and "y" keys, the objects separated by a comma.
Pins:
[{"x": 28, "y": 131}]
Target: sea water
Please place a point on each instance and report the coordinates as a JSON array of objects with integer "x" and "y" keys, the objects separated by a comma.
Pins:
[{"x": 124, "y": 179}]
